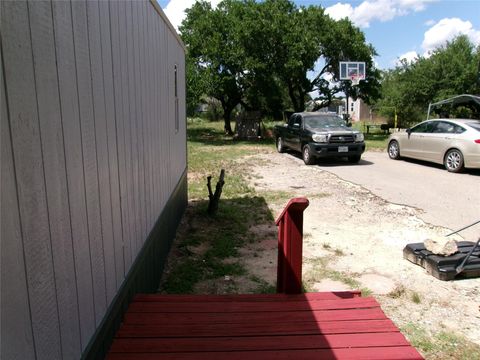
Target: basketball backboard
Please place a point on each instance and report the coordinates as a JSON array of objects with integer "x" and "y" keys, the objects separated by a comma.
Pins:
[{"x": 352, "y": 70}]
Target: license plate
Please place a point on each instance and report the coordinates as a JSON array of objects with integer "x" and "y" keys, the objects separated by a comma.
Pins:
[{"x": 343, "y": 149}]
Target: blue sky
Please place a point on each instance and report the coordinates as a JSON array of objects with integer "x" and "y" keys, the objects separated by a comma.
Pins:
[{"x": 396, "y": 28}]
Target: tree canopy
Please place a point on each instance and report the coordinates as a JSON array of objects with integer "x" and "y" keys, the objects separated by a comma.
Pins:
[
  {"x": 261, "y": 55},
  {"x": 450, "y": 70}
]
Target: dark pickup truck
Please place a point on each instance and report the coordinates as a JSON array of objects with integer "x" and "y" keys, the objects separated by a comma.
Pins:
[{"x": 319, "y": 135}]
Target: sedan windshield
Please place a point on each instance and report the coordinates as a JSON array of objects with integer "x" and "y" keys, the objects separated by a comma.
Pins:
[{"x": 312, "y": 122}]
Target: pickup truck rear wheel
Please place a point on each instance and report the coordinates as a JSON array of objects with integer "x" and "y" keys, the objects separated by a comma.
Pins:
[
  {"x": 307, "y": 156},
  {"x": 280, "y": 146}
]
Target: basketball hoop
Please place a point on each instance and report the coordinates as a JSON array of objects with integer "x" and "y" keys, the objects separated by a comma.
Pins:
[
  {"x": 355, "y": 78},
  {"x": 353, "y": 71}
]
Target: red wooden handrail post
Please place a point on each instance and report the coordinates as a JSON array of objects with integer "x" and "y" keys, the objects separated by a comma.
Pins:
[{"x": 290, "y": 243}]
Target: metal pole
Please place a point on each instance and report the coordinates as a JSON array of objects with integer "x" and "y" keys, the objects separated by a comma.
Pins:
[
  {"x": 460, "y": 268},
  {"x": 466, "y": 227},
  {"x": 395, "y": 119}
]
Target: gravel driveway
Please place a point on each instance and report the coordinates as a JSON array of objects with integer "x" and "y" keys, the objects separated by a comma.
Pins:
[{"x": 443, "y": 198}]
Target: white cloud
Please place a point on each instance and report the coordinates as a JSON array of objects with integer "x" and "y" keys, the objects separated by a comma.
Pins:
[
  {"x": 429, "y": 22},
  {"x": 410, "y": 57},
  {"x": 415, "y": 5},
  {"x": 447, "y": 29},
  {"x": 340, "y": 11},
  {"x": 175, "y": 10},
  {"x": 375, "y": 10}
]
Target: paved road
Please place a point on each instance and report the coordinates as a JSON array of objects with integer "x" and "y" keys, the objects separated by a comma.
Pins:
[{"x": 449, "y": 200}]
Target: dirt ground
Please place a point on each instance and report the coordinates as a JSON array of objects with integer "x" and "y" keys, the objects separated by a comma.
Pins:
[{"x": 362, "y": 237}]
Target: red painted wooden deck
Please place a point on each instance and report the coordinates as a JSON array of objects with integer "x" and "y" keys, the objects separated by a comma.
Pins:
[{"x": 331, "y": 325}]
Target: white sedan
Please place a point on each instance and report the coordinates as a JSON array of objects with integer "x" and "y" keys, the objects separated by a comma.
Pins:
[{"x": 452, "y": 142}]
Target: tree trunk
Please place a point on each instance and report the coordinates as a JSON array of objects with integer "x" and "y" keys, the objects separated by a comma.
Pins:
[
  {"x": 227, "y": 114},
  {"x": 297, "y": 101}
]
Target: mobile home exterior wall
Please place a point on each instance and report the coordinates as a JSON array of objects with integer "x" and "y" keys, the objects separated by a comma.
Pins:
[{"x": 93, "y": 167}]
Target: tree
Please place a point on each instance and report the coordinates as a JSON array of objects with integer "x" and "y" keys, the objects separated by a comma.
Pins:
[
  {"x": 260, "y": 54},
  {"x": 195, "y": 82},
  {"x": 293, "y": 40},
  {"x": 449, "y": 70},
  {"x": 345, "y": 42},
  {"x": 210, "y": 36}
]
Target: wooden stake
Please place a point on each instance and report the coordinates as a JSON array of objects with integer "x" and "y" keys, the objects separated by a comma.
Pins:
[{"x": 215, "y": 197}]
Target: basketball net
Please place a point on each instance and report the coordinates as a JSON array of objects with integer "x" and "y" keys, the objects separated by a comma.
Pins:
[{"x": 356, "y": 79}]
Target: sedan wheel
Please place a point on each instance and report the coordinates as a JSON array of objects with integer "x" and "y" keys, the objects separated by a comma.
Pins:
[
  {"x": 454, "y": 160},
  {"x": 308, "y": 159},
  {"x": 394, "y": 150}
]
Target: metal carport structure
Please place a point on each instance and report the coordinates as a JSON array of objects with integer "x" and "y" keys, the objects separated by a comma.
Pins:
[{"x": 465, "y": 99}]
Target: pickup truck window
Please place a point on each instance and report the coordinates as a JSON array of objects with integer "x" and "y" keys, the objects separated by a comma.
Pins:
[
  {"x": 324, "y": 121},
  {"x": 295, "y": 119}
]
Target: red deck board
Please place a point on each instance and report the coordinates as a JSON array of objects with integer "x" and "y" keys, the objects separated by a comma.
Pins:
[
  {"x": 333, "y": 295},
  {"x": 276, "y": 326},
  {"x": 296, "y": 328},
  {"x": 254, "y": 317},
  {"x": 249, "y": 306},
  {"x": 372, "y": 353},
  {"x": 288, "y": 342}
]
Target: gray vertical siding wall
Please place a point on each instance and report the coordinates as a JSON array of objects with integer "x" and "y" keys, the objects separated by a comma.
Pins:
[{"x": 90, "y": 156}]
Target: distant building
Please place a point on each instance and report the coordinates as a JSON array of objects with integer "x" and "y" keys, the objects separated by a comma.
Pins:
[
  {"x": 336, "y": 106},
  {"x": 358, "y": 110}
]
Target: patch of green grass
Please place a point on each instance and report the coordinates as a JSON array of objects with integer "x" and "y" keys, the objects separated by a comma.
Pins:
[
  {"x": 194, "y": 239},
  {"x": 398, "y": 292},
  {"x": 204, "y": 163},
  {"x": 319, "y": 196},
  {"x": 219, "y": 269},
  {"x": 184, "y": 276},
  {"x": 349, "y": 280},
  {"x": 442, "y": 345},
  {"x": 276, "y": 197},
  {"x": 336, "y": 251},
  {"x": 418, "y": 337},
  {"x": 263, "y": 286},
  {"x": 319, "y": 270},
  {"x": 416, "y": 298},
  {"x": 221, "y": 236},
  {"x": 209, "y": 151},
  {"x": 375, "y": 140}
]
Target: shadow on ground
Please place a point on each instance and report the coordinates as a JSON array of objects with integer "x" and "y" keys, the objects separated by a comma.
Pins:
[
  {"x": 473, "y": 172},
  {"x": 208, "y": 248},
  {"x": 208, "y": 136},
  {"x": 331, "y": 162}
]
